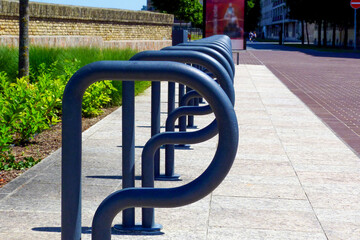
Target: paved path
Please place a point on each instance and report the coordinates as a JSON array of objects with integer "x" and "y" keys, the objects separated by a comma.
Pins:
[
  {"x": 327, "y": 82},
  {"x": 293, "y": 178}
]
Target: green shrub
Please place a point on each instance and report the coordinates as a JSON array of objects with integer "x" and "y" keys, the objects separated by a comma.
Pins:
[
  {"x": 10, "y": 163},
  {"x": 24, "y": 109},
  {"x": 31, "y": 105},
  {"x": 96, "y": 97}
]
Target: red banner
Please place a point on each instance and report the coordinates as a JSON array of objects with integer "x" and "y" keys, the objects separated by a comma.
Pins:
[{"x": 225, "y": 17}]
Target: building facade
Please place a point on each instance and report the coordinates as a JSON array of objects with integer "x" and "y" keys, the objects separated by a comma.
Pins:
[{"x": 274, "y": 18}]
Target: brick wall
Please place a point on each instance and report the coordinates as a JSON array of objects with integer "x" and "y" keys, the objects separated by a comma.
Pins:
[{"x": 52, "y": 21}]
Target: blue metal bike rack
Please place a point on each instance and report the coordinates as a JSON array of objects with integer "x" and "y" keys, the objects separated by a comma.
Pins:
[
  {"x": 128, "y": 129},
  {"x": 148, "y": 196},
  {"x": 186, "y": 57},
  {"x": 211, "y": 54},
  {"x": 71, "y": 152}
]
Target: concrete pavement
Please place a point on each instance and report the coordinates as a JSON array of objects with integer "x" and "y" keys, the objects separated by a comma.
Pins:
[{"x": 293, "y": 178}]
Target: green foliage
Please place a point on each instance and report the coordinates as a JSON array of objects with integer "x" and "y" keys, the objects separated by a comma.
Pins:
[
  {"x": 11, "y": 164},
  {"x": 190, "y": 11},
  {"x": 252, "y": 15},
  {"x": 141, "y": 86},
  {"x": 9, "y": 61},
  {"x": 27, "y": 108},
  {"x": 185, "y": 10},
  {"x": 5, "y": 140},
  {"x": 31, "y": 105},
  {"x": 96, "y": 97}
]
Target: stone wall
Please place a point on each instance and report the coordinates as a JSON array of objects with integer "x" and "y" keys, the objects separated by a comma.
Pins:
[{"x": 60, "y": 21}]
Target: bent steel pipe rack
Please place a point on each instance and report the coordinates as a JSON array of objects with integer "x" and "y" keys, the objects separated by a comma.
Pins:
[
  {"x": 172, "y": 197},
  {"x": 208, "y": 132},
  {"x": 128, "y": 160},
  {"x": 193, "y": 57},
  {"x": 210, "y": 52},
  {"x": 140, "y": 197},
  {"x": 128, "y": 156}
]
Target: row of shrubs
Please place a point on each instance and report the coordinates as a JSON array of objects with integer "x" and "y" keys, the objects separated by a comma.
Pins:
[{"x": 31, "y": 105}]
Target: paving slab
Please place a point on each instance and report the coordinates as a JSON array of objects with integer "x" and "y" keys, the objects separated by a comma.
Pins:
[{"x": 293, "y": 178}]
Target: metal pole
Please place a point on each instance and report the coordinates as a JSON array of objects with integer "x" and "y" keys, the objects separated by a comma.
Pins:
[
  {"x": 190, "y": 117},
  {"x": 182, "y": 120},
  {"x": 128, "y": 146},
  {"x": 355, "y": 31},
  {"x": 283, "y": 32},
  {"x": 155, "y": 120},
  {"x": 171, "y": 97}
]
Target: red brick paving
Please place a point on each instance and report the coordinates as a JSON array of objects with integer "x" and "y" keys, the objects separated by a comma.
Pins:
[{"x": 328, "y": 83}]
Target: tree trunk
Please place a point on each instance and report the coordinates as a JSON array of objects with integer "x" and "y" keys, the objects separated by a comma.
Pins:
[
  {"x": 319, "y": 33},
  {"x": 307, "y": 33},
  {"x": 346, "y": 37},
  {"x": 24, "y": 38},
  {"x": 302, "y": 32},
  {"x": 325, "y": 34},
  {"x": 334, "y": 35}
]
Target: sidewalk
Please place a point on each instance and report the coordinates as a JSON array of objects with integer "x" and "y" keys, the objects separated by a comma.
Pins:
[{"x": 293, "y": 178}]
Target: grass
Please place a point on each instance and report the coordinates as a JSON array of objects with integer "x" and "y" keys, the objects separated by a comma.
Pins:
[
  {"x": 83, "y": 55},
  {"x": 39, "y": 55}
]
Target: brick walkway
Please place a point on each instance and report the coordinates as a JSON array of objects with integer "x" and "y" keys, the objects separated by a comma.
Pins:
[{"x": 328, "y": 83}]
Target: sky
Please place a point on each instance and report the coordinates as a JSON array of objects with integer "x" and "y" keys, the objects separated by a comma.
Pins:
[{"x": 121, "y": 4}]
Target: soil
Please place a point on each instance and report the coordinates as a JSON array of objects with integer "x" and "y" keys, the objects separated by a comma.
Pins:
[{"x": 44, "y": 144}]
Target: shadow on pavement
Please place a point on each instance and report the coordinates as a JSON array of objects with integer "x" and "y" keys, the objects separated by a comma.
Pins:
[
  {"x": 271, "y": 46},
  {"x": 87, "y": 230}
]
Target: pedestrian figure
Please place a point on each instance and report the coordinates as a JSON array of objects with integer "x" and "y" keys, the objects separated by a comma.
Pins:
[{"x": 251, "y": 35}]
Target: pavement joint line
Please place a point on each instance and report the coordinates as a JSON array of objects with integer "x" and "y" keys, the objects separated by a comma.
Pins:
[
  {"x": 291, "y": 163},
  {"x": 208, "y": 217}
]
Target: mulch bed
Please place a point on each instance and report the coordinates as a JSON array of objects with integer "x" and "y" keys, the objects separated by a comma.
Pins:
[{"x": 44, "y": 144}]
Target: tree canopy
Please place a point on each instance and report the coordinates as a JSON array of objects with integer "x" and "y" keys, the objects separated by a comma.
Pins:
[
  {"x": 252, "y": 15},
  {"x": 338, "y": 13},
  {"x": 185, "y": 10},
  {"x": 333, "y": 11}
]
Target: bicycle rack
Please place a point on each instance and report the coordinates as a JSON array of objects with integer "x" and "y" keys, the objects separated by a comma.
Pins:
[
  {"x": 208, "y": 132},
  {"x": 214, "y": 46},
  {"x": 128, "y": 160},
  {"x": 148, "y": 197},
  {"x": 213, "y": 53}
]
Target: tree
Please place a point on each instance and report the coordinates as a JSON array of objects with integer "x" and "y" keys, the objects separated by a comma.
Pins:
[
  {"x": 299, "y": 10},
  {"x": 190, "y": 11},
  {"x": 322, "y": 12},
  {"x": 185, "y": 10},
  {"x": 252, "y": 15},
  {"x": 23, "y": 38}
]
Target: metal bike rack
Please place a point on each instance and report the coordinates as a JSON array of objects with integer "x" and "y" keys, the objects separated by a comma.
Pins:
[
  {"x": 128, "y": 159},
  {"x": 211, "y": 54},
  {"x": 185, "y": 57},
  {"x": 150, "y": 197},
  {"x": 216, "y": 47}
]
